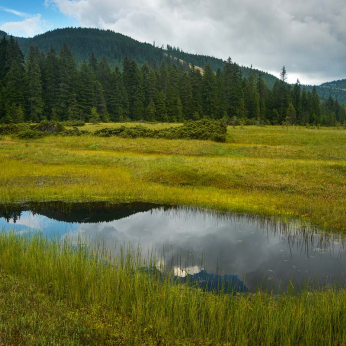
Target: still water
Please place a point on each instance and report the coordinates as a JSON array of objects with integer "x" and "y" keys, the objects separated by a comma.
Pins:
[{"x": 244, "y": 253}]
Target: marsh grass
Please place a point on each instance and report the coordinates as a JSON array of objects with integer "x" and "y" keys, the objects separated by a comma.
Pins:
[
  {"x": 95, "y": 298},
  {"x": 92, "y": 298},
  {"x": 266, "y": 171}
]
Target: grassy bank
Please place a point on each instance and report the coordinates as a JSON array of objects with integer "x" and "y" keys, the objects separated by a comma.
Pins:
[
  {"x": 52, "y": 293},
  {"x": 265, "y": 171}
]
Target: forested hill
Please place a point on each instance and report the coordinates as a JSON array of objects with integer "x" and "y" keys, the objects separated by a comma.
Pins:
[
  {"x": 335, "y": 89},
  {"x": 116, "y": 47},
  {"x": 338, "y": 84},
  {"x": 52, "y": 86}
]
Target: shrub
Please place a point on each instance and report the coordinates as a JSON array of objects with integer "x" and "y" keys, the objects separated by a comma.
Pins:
[
  {"x": 48, "y": 127},
  {"x": 30, "y": 134},
  {"x": 10, "y": 129},
  {"x": 73, "y": 132},
  {"x": 200, "y": 129}
]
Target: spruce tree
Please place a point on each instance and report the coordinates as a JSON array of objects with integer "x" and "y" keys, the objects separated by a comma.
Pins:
[
  {"x": 209, "y": 92},
  {"x": 34, "y": 83}
]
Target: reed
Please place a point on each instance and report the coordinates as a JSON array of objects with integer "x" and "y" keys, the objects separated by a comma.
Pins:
[{"x": 115, "y": 302}]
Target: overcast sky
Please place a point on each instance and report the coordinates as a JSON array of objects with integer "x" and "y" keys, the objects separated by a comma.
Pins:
[{"x": 308, "y": 37}]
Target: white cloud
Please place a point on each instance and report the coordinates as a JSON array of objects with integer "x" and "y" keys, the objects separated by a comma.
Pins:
[
  {"x": 308, "y": 37},
  {"x": 26, "y": 28},
  {"x": 17, "y": 13}
]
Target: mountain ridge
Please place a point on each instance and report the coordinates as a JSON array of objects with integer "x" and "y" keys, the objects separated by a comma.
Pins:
[{"x": 116, "y": 46}]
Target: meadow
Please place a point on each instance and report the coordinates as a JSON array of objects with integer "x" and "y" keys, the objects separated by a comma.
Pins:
[
  {"x": 266, "y": 171},
  {"x": 271, "y": 171}
]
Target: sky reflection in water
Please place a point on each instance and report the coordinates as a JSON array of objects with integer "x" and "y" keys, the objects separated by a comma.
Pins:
[{"x": 244, "y": 250}]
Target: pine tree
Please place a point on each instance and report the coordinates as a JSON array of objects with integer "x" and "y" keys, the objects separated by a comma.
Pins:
[
  {"x": 17, "y": 114},
  {"x": 172, "y": 93},
  {"x": 93, "y": 62},
  {"x": 186, "y": 96},
  {"x": 150, "y": 111},
  {"x": 283, "y": 74},
  {"x": 118, "y": 105},
  {"x": 94, "y": 118},
  {"x": 209, "y": 92},
  {"x": 67, "y": 81},
  {"x": 34, "y": 83},
  {"x": 133, "y": 84},
  {"x": 160, "y": 105},
  {"x": 15, "y": 87},
  {"x": 100, "y": 103},
  {"x": 296, "y": 101},
  {"x": 50, "y": 82},
  {"x": 291, "y": 114}
]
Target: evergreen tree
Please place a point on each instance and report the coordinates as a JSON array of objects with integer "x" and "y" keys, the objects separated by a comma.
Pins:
[
  {"x": 209, "y": 93},
  {"x": 17, "y": 114},
  {"x": 291, "y": 114},
  {"x": 94, "y": 116},
  {"x": 150, "y": 111},
  {"x": 160, "y": 105},
  {"x": 50, "y": 82},
  {"x": 34, "y": 83},
  {"x": 100, "y": 102},
  {"x": 67, "y": 81},
  {"x": 85, "y": 87}
]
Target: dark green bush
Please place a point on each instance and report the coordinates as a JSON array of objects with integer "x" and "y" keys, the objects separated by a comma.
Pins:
[
  {"x": 201, "y": 129},
  {"x": 30, "y": 134},
  {"x": 12, "y": 129},
  {"x": 48, "y": 127},
  {"x": 32, "y": 131},
  {"x": 74, "y": 132}
]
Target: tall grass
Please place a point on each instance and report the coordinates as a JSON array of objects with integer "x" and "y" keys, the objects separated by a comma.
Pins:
[{"x": 150, "y": 309}]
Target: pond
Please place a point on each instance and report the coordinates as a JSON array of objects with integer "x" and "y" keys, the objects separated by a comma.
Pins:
[{"x": 244, "y": 253}]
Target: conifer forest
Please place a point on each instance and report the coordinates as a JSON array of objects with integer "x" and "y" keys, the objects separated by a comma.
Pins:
[{"x": 54, "y": 86}]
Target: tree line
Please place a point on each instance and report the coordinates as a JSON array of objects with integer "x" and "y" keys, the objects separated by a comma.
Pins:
[{"x": 52, "y": 87}]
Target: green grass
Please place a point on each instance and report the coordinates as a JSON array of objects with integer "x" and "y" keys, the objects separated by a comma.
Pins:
[
  {"x": 268, "y": 171},
  {"x": 63, "y": 294},
  {"x": 263, "y": 171}
]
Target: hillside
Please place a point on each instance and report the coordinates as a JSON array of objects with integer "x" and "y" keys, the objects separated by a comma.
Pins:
[
  {"x": 337, "y": 84},
  {"x": 116, "y": 47},
  {"x": 332, "y": 89}
]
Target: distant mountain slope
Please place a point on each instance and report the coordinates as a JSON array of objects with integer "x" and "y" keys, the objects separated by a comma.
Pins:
[
  {"x": 116, "y": 47},
  {"x": 337, "y": 84},
  {"x": 335, "y": 89},
  {"x": 2, "y": 33}
]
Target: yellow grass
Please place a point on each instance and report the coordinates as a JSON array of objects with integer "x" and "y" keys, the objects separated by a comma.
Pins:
[{"x": 259, "y": 170}]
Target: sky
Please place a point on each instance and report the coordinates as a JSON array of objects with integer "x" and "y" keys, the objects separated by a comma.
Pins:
[{"x": 308, "y": 37}]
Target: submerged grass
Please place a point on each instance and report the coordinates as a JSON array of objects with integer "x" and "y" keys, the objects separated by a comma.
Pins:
[{"x": 64, "y": 294}]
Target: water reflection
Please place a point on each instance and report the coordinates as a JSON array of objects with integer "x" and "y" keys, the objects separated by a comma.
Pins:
[{"x": 207, "y": 248}]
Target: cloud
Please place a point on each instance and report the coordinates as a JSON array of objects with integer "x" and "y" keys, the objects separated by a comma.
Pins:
[
  {"x": 307, "y": 37},
  {"x": 26, "y": 28},
  {"x": 17, "y": 13}
]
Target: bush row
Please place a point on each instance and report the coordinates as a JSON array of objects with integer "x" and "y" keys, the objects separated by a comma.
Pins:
[
  {"x": 39, "y": 130},
  {"x": 201, "y": 129}
]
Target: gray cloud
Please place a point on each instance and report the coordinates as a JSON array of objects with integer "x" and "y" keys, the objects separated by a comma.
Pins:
[{"x": 308, "y": 37}]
